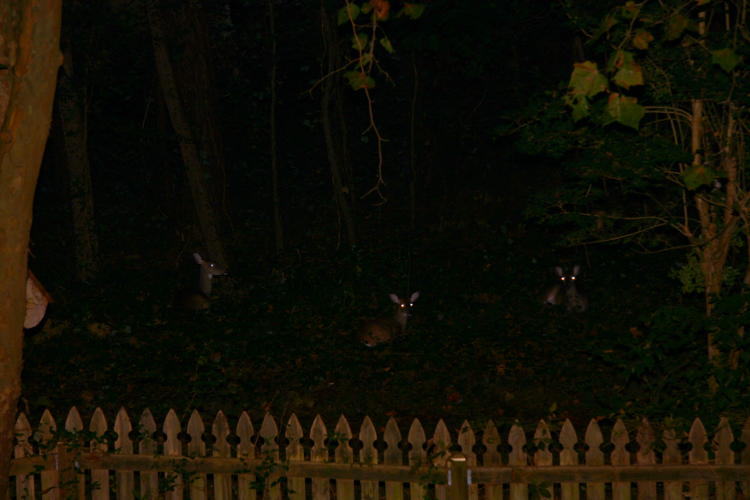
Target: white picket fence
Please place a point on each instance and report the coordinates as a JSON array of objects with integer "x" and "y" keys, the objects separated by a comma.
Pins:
[{"x": 147, "y": 461}]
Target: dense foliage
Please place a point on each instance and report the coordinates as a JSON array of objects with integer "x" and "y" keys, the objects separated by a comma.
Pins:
[{"x": 650, "y": 133}]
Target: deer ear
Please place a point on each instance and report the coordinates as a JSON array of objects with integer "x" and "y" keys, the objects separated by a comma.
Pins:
[
  {"x": 198, "y": 258},
  {"x": 559, "y": 271},
  {"x": 576, "y": 269},
  {"x": 394, "y": 298},
  {"x": 414, "y": 297}
]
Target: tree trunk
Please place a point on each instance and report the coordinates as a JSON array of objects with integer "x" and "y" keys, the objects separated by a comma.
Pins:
[
  {"x": 413, "y": 145},
  {"x": 72, "y": 119},
  {"x": 335, "y": 140},
  {"x": 277, "y": 224},
  {"x": 200, "y": 192},
  {"x": 717, "y": 225},
  {"x": 196, "y": 84},
  {"x": 345, "y": 164},
  {"x": 29, "y": 59}
]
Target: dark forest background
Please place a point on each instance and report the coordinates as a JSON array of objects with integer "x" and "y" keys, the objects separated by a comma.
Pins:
[{"x": 462, "y": 217}]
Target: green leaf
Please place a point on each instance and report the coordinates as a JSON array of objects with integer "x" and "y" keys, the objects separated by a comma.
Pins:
[
  {"x": 676, "y": 25},
  {"x": 412, "y": 10},
  {"x": 641, "y": 39},
  {"x": 726, "y": 58},
  {"x": 350, "y": 11},
  {"x": 386, "y": 44},
  {"x": 629, "y": 72},
  {"x": 625, "y": 110},
  {"x": 359, "y": 42},
  {"x": 359, "y": 80},
  {"x": 579, "y": 107},
  {"x": 630, "y": 10},
  {"x": 606, "y": 24},
  {"x": 586, "y": 79},
  {"x": 696, "y": 176}
]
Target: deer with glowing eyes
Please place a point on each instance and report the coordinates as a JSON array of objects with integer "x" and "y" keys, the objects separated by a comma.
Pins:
[
  {"x": 199, "y": 299},
  {"x": 567, "y": 291},
  {"x": 386, "y": 328}
]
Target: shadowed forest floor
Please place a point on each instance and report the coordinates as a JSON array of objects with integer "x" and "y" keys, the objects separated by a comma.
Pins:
[{"x": 481, "y": 344}]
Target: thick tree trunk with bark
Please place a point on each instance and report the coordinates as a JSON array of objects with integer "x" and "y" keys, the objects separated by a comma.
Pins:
[
  {"x": 29, "y": 59},
  {"x": 72, "y": 119},
  {"x": 195, "y": 84},
  {"x": 200, "y": 191}
]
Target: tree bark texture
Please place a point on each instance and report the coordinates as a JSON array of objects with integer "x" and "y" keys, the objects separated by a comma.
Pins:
[
  {"x": 200, "y": 191},
  {"x": 72, "y": 116},
  {"x": 335, "y": 139},
  {"x": 188, "y": 44},
  {"x": 29, "y": 60},
  {"x": 718, "y": 224}
]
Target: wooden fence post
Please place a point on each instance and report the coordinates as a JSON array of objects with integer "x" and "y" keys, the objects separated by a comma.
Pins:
[{"x": 458, "y": 477}]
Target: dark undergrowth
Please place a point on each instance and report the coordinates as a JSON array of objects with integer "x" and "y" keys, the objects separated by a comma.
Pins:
[{"x": 480, "y": 346}]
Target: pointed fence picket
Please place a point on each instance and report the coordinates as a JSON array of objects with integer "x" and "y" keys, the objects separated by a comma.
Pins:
[
  {"x": 149, "y": 480},
  {"x": 517, "y": 458},
  {"x": 319, "y": 454},
  {"x": 394, "y": 490},
  {"x": 267, "y": 479},
  {"x": 173, "y": 481},
  {"x": 49, "y": 477},
  {"x": 671, "y": 456},
  {"x": 491, "y": 441},
  {"x": 71, "y": 482},
  {"x": 368, "y": 456},
  {"x": 295, "y": 453},
  {"x": 221, "y": 449},
  {"x": 466, "y": 441},
  {"x": 594, "y": 457},
  {"x": 417, "y": 458},
  {"x": 246, "y": 454},
  {"x": 218, "y": 461},
  {"x": 620, "y": 456},
  {"x": 722, "y": 442},
  {"x": 645, "y": 456},
  {"x": 125, "y": 480},
  {"x": 25, "y": 487},
  {"x": 343, "y": 454}
]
